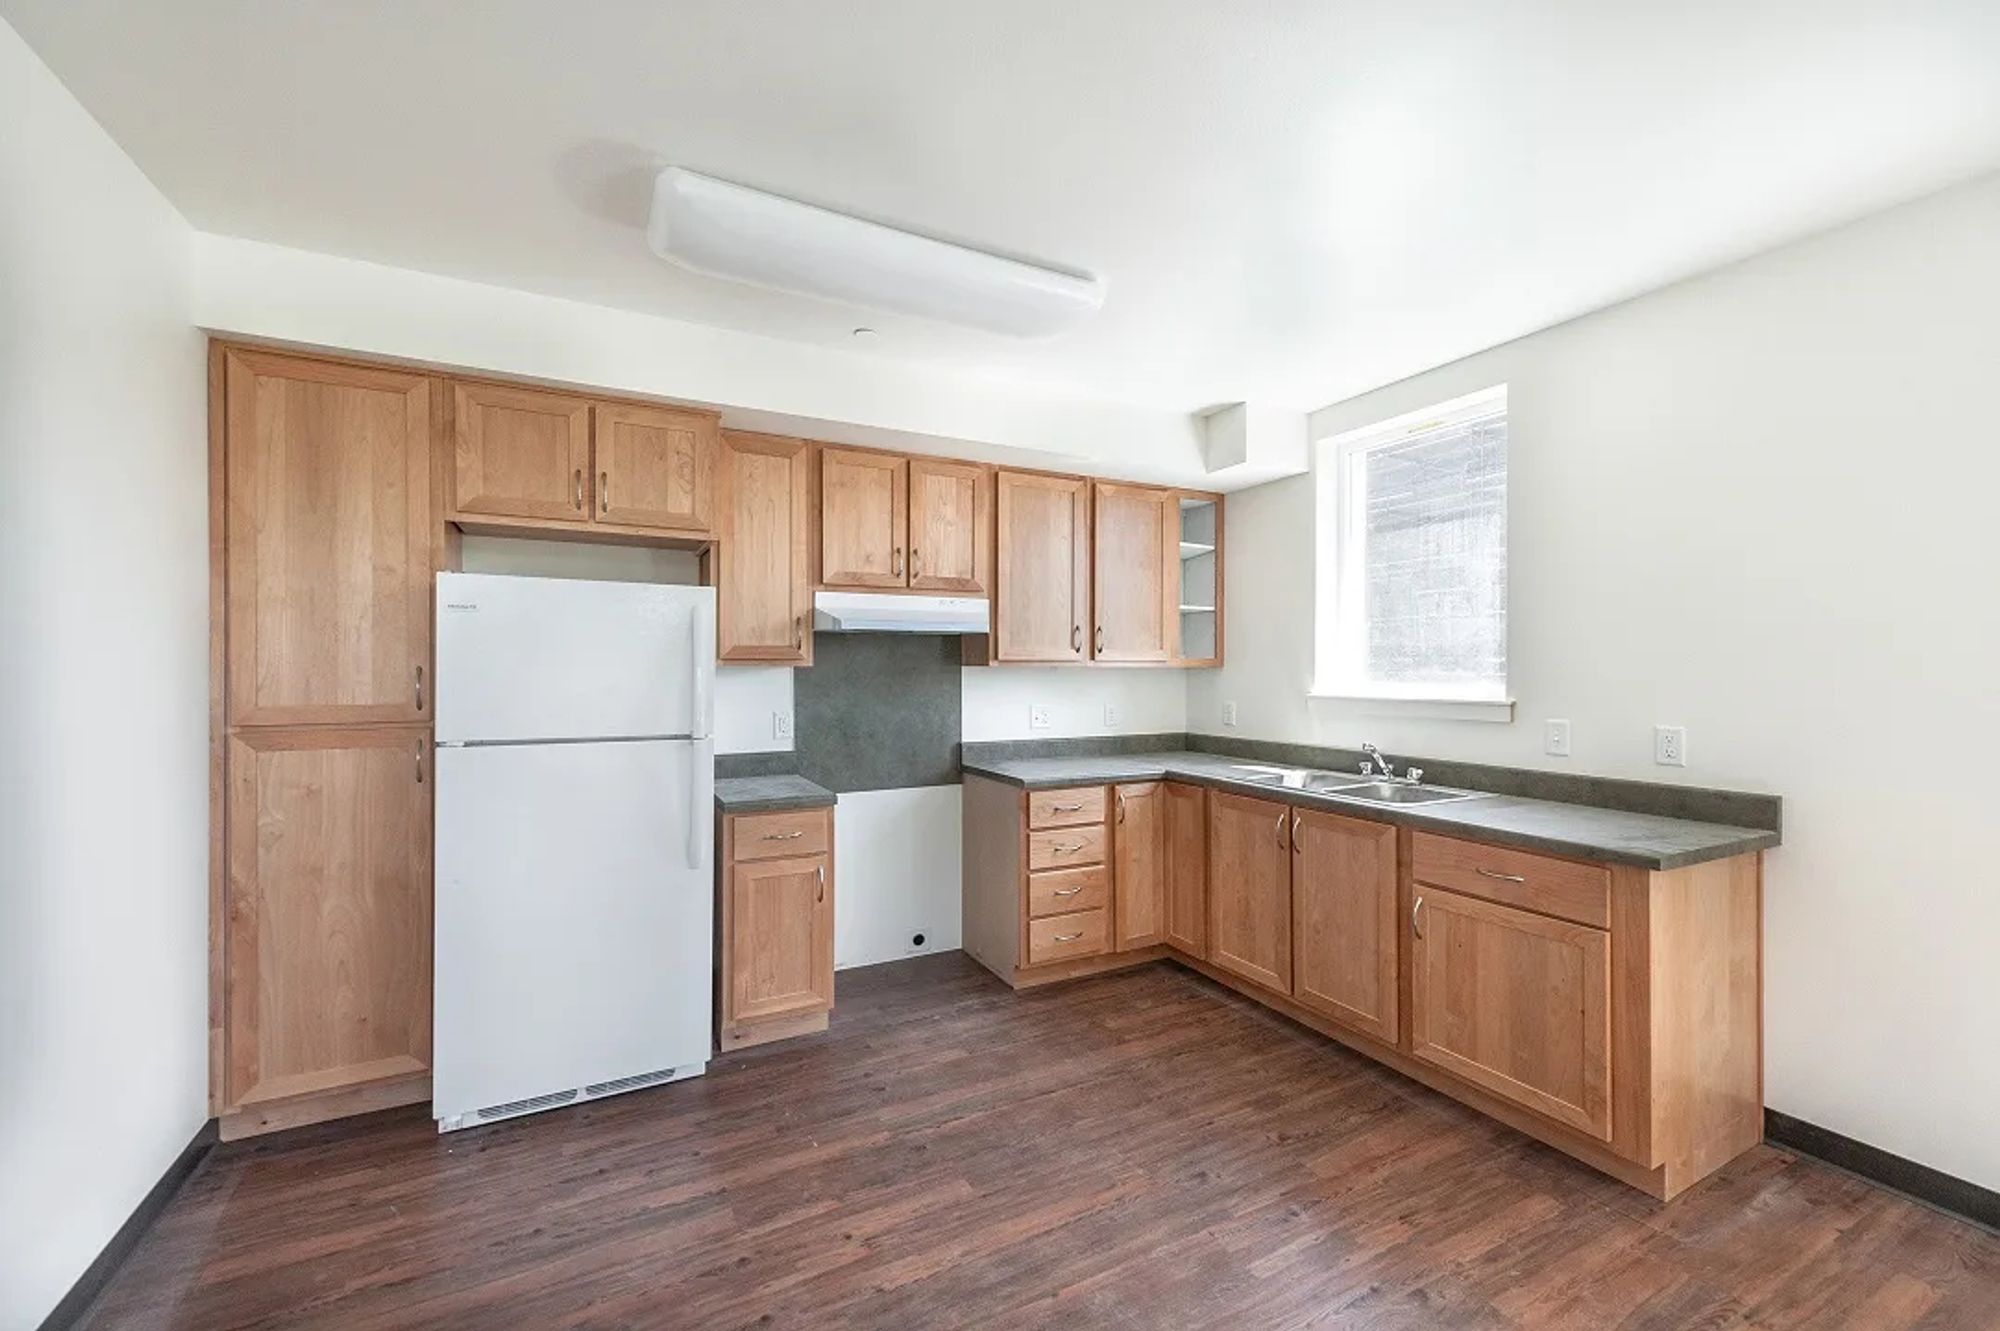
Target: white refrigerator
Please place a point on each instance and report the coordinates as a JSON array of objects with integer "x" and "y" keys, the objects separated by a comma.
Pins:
[{"x": 575, "y": 886}]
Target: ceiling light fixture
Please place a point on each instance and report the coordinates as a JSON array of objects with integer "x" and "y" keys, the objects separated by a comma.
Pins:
[{"x": 731, "y": 231}]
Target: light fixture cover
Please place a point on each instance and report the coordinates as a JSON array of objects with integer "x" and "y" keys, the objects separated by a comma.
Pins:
[{"x": 731, "y": 231}]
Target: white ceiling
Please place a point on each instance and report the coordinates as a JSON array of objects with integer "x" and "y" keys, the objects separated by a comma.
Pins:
[{"x": 1291, "y": 201}]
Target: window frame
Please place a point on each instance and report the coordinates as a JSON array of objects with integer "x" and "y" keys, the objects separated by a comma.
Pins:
[{"x": 1339, "y": 631}]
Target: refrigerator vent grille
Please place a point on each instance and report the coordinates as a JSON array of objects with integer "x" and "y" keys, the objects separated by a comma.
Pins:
[
  {"x": 631, "y": 1083},
  {"x": 529, "y": 1105}
]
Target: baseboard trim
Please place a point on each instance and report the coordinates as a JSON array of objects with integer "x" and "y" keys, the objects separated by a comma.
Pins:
[
  {"x": 1933, "y": 1187},
  {"x": 98, "y": 1274}
]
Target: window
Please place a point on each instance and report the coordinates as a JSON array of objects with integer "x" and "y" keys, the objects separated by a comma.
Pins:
[{"x": 1412, "y": 586}]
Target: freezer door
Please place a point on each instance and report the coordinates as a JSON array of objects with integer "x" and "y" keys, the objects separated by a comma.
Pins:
[
  {"x": 563, "y": 658},
  {"x": 575, "y": 917}
]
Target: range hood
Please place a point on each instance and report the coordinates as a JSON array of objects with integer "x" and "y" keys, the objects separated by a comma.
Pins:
[{"x": 879, "y": 612}]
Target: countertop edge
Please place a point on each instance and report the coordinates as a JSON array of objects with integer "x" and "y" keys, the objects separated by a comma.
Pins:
[{"x": 770, "y": 794}]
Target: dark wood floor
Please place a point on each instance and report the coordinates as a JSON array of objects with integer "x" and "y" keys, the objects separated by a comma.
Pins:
[{"x": 1141, "y": 1150}]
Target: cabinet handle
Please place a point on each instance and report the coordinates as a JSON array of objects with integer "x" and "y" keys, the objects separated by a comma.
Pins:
[
  {"x": 1295, "y": 830},
  {"x": 896, "y": 569},
  {"x": 1066, "y": 808},
  {"x": 798, "y": 633},
  {"x": 1503, "y": 877},
  {"x": 913, "y": 561},
  {"x": 1068, "y": 938},
  {"x": 784, "y": 836},
  {"x": 1067, "y": 891},
  {"x": 1282, "y": 819},
  {"x": 1416, "y": 923},
  {"x": 1121, "y": 806},
  {"x": 1076, "y": 637},
  {"x": 420, "y": 688},
  {"x": 576, "y": 485},
  {"x": 1100, "y": 639},
  {"x": 1061, "y": 848},
  {"x": 603, "y": 492},
  {"x": 819, "y": 874},
  {"x": 420, "y": 762}
]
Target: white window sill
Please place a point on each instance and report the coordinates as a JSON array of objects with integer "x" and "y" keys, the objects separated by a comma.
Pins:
[{"x": 1499, "y": 710}]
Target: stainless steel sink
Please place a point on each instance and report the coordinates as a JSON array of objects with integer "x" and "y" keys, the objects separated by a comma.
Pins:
[
  {"x": 1397, "y": 792},
  {"x": 1291, "y": 778}
]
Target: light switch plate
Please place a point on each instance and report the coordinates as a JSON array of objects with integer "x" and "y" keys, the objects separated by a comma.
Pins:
[
  {"x": 1038, "y": 717},
  {"x": 1555, "y": 738},
  {"x": 1229, "y": 714},
  {"x": 1670, "y": 746}
]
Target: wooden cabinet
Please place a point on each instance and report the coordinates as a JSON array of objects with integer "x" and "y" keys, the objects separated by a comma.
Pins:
[
  {"x": 1250, "y": 889},
  {"x": 1042, "y": 574},
  {"x": 776, "y": 937},
  {"x": 326, "y": 912},
  {"x": 951, "y": 527},
  {"x": 1186, "y": 838},
  {"x": 763, "y": 584},
  {"x": 1135, "y": 572},
  {"x": 1138, "y": 835},
  {"x": 1344, "y": 918},
  {"x": 655, "y": 467},
  {"x": 328, "y": 541},
  {"x": 864, "y": 516},
  {"x": 520, "y": 452},
  {"x": 1516, "y": 1003}
]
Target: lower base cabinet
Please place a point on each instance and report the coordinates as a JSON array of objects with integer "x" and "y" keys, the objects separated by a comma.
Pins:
[
  {"x": 1250, "y": 889},
  {"x": 775, "y": 941},
  {"x": 1344, "y": 921}
]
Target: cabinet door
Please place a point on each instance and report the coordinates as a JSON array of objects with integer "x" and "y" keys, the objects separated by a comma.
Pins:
[
  {"x": 780, "y": 938},
  {"x": 1516, "y": 1003},
  {"x": 1187, "y": 869},
  {"x": 1250, "y": 889},
  {"x": 1139, "y": 847},
  {"x": 327, "y": 917},
  {"x": 330, "y": 536},
  {"x": 1135, "y": 562},
  {"x": 763, "y": 587},
  {"x": 519, "y": 453},
  {"x": 1344, "y": 920},
  {"x": 863, "y": 517},
  {"x": 655, "y": 467},
  {"x": 951, "y": 521},
  {"x": 1043, "y": 579}
]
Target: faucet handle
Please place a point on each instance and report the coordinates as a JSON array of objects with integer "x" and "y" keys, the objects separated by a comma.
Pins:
[{"x": 1413, "y": 775}]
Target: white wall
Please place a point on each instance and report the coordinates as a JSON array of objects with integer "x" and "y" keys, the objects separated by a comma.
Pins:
[
  {"x": 1761, "y": 505},
  {"x": 996, "y": 702},
  {"x": 103, "y": 691},
  {"x": 896, "y": 874}
]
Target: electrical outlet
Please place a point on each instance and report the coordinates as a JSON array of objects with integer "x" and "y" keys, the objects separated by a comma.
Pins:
[
  {"x": 781, "y": 725},
  {"x": 1555, "y": 738},
  {"x": 1670, "y": 746},
  {"x": 1229, "y": 714},
  {"x": 1038, "y": 717},
  {"x": 1111, "y": 714}
]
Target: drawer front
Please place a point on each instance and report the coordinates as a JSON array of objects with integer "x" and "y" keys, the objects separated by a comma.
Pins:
[
  {"x": 1065, "y": 847},
  {"x": 1562, "y": 888},
  {"x": 1066, "y": 808},
  {"x": 767, "y": 836},
  {"x": 1061, "y": 891},
  {"x": 1083, "y": 933}
]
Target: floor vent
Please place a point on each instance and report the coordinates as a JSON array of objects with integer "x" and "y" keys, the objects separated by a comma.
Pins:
[
  {"x": 631, "y": 1083},
  {"x": 528, "y": 1106}
]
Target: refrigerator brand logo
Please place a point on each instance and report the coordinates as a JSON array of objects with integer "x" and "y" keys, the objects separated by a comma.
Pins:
[{"x": 461, "y": 605}]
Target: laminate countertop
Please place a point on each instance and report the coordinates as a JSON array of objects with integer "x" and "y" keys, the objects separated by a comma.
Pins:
[
  {"x": 1581, "y": 831},
  {"x": 763, "y": 794}
]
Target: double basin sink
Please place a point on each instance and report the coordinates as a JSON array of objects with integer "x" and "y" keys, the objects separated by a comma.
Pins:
[{"x": 1349, "y": 786}]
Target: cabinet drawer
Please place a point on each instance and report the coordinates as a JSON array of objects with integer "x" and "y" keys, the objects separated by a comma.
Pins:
[
  {"x": 1066, "y": 847},
  {"x": 767, "y": 836},
  {"x": 1562, "y": 888},
  {"x": 1083, "y": 933},
  {"x": 1067, "y": 890},
  {"x": 1066, "y": 808}
]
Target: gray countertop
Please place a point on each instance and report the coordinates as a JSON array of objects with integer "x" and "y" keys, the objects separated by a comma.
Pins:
[
  {"x": 761, "y": 794},
  {"x": 1583, "y": 831}
]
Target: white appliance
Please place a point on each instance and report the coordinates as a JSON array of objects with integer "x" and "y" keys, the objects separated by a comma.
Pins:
[
  {"x": 575, "y": 890},
  {"x": 880, "y": 612}
]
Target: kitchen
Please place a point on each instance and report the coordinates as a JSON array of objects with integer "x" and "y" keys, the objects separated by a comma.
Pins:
[{"x": 962, "y": 796}]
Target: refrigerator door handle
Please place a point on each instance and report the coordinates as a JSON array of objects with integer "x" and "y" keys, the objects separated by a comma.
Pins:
[
  {"x": 701, "y": 803},
  {"x": 701, "y": 649}
]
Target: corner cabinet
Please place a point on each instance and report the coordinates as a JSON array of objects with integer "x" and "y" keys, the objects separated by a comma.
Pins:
[
  {"x": 759, "y": 564},
  {"x": 775, "y": 944}
]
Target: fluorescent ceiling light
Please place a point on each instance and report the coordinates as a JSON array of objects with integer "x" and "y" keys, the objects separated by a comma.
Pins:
[{"x": 746, "y": 235}]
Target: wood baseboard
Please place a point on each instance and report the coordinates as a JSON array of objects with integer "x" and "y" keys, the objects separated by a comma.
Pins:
[{"x": 305, "y": 1110}]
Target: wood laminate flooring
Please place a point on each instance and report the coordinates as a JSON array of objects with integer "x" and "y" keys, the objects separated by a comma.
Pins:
[{"x": 1140, "y": 1150}]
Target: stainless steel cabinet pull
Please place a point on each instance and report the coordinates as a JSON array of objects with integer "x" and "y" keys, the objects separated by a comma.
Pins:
[
  {"x": 1100, "y": 639},
  {"x": 1121, "y": 806},
  {"x": 1067, "y": 891},
  {"x": 819, "y": 874},
  {"x": 784, "y": 836},
  {"x": 1066, "y": 808},
  {"x": 897, "y": 555},
  {"x": 1076, "y": 637},
  {"x": 1069, "y": 938},
  {"x": 1416, "y": 924},
  {"x": 913, "y": 561},
  {"x": 603, "y": 492},
  {"x": 798, "y": 633},
  {"x": 1062, "y": 849},
  {"x": 1281, "y": 828},
  {"x": 420, "y": 762},
  {"x": 1295, "y": 829},
  {"x": 420, "y": 688},
  {"x": 1503, "y": 877},
  {"x": 576, "y": 484}
]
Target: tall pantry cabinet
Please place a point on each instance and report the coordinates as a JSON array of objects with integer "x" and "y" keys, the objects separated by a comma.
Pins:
[{"x": 325, "y": 534}]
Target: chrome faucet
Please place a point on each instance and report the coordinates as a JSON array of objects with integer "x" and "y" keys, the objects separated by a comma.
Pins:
[{"x": 1385, "y": 769}]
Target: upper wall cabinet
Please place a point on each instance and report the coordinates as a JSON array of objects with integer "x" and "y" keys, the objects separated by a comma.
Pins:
[
  {"x": 655, "y": 467},
  {"x": 329, "y": 534},
  {"x": 763, "y": 587},
  {"x": 520, "y": 453},
  {"x": 951, "y": 521},
  {"x": 890, "y": 523},
  {"x": 1042, "y": 592},
  {"x": 1135, "y": 566},
  {"x": 1198, "y": 579}
]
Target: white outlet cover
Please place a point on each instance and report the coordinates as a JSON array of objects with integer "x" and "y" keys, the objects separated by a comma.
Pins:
[
  {"x": 1229, "y": 714},
  {"x": 1670, "y": 746},
  {"x": 1038, "y": 717},
  {"x": 1555, "y": 738},
  {"x": 781, "y": 725},
  {"x": 1111, "y": 714}
]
